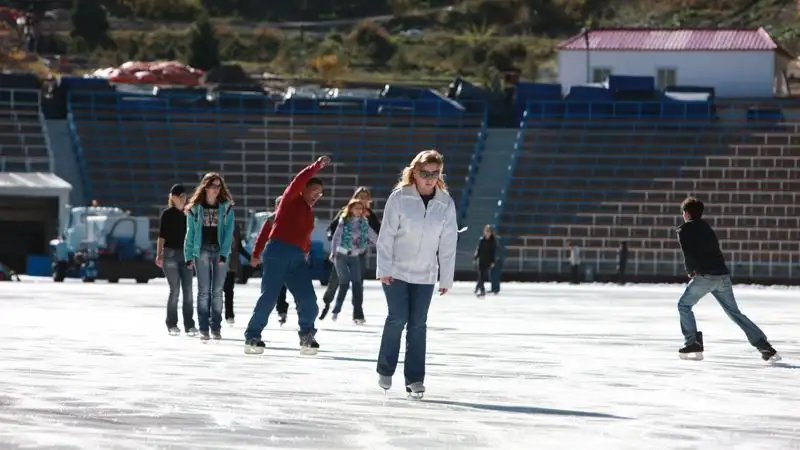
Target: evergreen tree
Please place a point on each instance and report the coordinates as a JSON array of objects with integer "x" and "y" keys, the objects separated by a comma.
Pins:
[
  {"x": 90, "y": 24},
  {"x": 204, "y": 46}
]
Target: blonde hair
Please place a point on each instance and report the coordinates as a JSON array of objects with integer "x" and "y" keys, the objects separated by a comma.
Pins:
[
  {"x": 347, "y": 210},
  {"x": 423, "y": 157},
  {"x": 362, "y": 190},
  {"x": 199, "y": 195}
]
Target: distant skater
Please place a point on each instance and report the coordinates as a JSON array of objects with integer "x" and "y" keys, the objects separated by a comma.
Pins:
[
  {"x": 237, "y": 251},
  {"x": 708, "y": 273},
  {"x": 485, "y": 258},
  {"x": 417, "y": 244},
  {"x": 286, "y": 261}
]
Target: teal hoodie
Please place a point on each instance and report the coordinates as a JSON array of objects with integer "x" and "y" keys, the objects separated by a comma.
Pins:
[{"x": 194, "y": 231}]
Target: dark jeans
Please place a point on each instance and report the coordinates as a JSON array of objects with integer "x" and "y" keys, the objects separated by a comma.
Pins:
[
  {"x": 230, "y": 282},
  {"x": 178, "y": 277},
  {"x": 496, "y": 274},
  {"x": 575, "y": 273},
  {"x": 408, "y": 308},
  {"x": 283, "y": 305},
  {"x": 349, "y": 272},
  {"x": 284, "y": 264},
  {"x": 483, "y": 274}
]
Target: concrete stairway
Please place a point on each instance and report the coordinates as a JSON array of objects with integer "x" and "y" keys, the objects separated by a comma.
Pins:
[{"x": 486, "y": 190}]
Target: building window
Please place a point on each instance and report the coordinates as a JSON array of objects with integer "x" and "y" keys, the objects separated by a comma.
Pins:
[
  {"x": 666, "y": 78},
  {"x": 600, "y": 74}
]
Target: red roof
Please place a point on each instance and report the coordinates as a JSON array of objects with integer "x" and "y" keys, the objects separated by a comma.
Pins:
[{"x": 672, "y": 39}]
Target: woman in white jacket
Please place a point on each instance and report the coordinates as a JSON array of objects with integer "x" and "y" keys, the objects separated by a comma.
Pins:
[{"x": 417, "y": 243}]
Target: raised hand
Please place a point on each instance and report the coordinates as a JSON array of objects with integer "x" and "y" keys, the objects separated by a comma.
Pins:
[{"x": 324, "y": 161}]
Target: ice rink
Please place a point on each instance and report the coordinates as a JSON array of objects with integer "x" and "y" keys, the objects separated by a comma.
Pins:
[{"x": 541, "y": 366}]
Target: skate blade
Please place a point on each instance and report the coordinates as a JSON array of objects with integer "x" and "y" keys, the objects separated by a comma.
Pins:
[
  {"x": 415, "y": 395},
  {"x": 253, "y": 351},
  {"x": 774, "y": 358},
  {"x": 698, "y": 356},
  {"x": 174, "y": 334},
  {"x": 308, "y": 351}
]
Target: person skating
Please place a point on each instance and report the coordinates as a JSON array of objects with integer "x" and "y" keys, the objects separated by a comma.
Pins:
[
  {"x": 286, "y": 261},
  {"x": 207, "y": 247},
  {"x": 708, "y": 273},
  {"x": 485, "y": 258},
  {"x": 416, "y": 244},
  {"x": 237, "y": 251},
  {"x": 255, "y": 259},
  {"x": 169, "y": 257},
  {"x": 350, "y": 241},
  {"x": 364, "y": 195}
]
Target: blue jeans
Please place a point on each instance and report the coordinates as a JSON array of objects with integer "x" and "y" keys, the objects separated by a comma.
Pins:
[
  {"x": 348, "y": 270},
  {"x": 178, "y": 276},
  {"x": 284, "y": 264},
  {"x": 210, "y": 281},
  {"x": 408, "y": 307},
  {"x": 721, "y": 288}
]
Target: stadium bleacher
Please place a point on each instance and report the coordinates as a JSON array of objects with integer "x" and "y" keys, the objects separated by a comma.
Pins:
[{"x": 23, "y": 146}]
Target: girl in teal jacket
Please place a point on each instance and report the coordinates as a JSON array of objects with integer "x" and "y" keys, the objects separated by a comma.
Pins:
[{"x": 207, "y": 246}]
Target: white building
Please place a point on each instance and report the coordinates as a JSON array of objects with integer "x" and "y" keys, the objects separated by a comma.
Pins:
[{"x": 743, "y": 63}]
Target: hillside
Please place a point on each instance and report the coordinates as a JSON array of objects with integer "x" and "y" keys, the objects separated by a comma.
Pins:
[{"x": 406, "y": 39}]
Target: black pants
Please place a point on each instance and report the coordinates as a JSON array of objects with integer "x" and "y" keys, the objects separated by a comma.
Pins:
[
  {"x": 621, "y": 274},
  {"x": 333, "y": 280},
  {"x": 483, "y": 276},
  {"x": 282, "y": 305},
  {"x": 227, "y": 289},
  {"x": 575, "y": 272}
]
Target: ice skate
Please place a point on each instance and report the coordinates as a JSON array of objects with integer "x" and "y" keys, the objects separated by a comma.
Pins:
[
  {"x": 216, "y": 335},
  {"x": 174, "y": 331},
  {"x": 308, "y": 344},
  {"x": 205, "y": 336},
  {"x": 281, "y": 319},
  {"x": 359, "y": 321},
  {"x": 230, "y": 321},
  {"x": 334, "y": 316},
  {"x": 385, "y": 382},
  {"x": 768, "y": 353},
  {"x": 192, "y": 332},
  {"x": 254, "y": 347},
  {"x": 415, "y": 390},
  {"x": 693, "y": 351}
]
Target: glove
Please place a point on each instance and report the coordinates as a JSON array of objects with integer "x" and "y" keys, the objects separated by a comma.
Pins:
[{"x": 222, "y": 259}]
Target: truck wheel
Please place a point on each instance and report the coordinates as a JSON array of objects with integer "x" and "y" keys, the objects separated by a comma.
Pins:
[
  {"x": 142, "y": 280},
  {"x": 59, "y": 272},
  {"x": 113, "y": 280},
  {"x": 88, "y": 280}
]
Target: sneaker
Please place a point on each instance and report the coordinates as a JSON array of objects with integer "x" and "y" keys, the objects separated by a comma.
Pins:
[
  {"x": 230, "y": 321},
  {"x": 254, "y": 347},
  {"x": 192, "y": 332},
  {"x": 174, "y": 331},
  {"x": 385, "y": 382},
  {"x": 415, "y": 390},
  {"x": 325, "y": 310},
  {"x": 205, "y": 336},
  {"x": 216, "y": 335},
  {"x": 768, "y": 353},
  {"x": 693, "y": 351},
  {"x": 308, "y": 344}
]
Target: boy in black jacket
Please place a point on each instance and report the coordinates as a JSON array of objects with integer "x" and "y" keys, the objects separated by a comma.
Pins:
[{"x": 706, "y": 268}]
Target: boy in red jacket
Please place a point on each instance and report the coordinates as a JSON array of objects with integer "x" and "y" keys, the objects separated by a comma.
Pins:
[{"x": 286, "y": 261}]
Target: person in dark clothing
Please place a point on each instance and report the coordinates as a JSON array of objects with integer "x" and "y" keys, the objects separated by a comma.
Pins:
[
  {"x": 169, "y": 257},
  {"x": 485, "y": 257},
  {"x": 233, "y": 269},
  {"x": 496, "y": 273},
  {"x": 708, "y": 273},
  {"x": 622, "y": 262},
  {"x": 365, "y": 196}
]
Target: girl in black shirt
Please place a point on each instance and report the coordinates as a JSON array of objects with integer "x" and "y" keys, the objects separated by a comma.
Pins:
[{"x": 169, "y": 256}]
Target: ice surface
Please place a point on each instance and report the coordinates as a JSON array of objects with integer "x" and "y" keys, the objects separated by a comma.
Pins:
[{"x": 542, "y": 366}]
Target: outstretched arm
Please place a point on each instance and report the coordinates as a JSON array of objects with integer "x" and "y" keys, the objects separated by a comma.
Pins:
[{"x": 301, "y": 179}]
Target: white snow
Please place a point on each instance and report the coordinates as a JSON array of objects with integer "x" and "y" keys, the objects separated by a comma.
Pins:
[{"x": 542, "y": 366}]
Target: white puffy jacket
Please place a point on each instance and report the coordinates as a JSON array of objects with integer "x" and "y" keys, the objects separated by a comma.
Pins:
[{"x": 411, "y": 235}]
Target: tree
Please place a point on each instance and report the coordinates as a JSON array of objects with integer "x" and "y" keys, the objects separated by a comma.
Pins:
[
  {"x": 203, "y": 46},
  {"x": 90, "y": 24}
]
